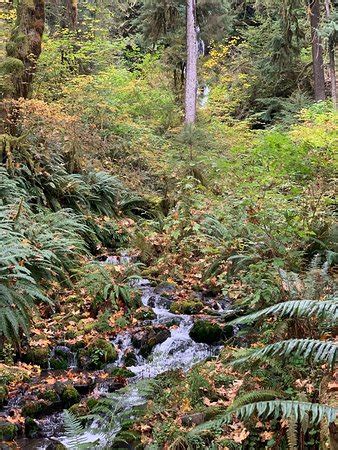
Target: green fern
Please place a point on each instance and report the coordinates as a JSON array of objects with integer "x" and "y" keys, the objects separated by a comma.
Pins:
[
  {"x": 275, "y": 409},
  {"x": 319, "y": 351},
  {"x": 75, "y": 433},
  {"x": 295, "y": 308},
  {"x": 255, "y": 396},
  {"x": 292, "y": 433}
]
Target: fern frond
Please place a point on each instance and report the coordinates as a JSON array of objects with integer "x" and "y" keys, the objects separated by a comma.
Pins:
[
  {"x": 319, "y": 351},
  {"x": 294, "y": 308},
  {"x": 275, "y": 409},
  {"x": 255, "y": 396},
  {"x": 292, "y": 433},
  {"x": 76, "y": 436}
]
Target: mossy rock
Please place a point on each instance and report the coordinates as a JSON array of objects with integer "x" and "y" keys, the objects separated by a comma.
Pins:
[
  {"x": 121, "y": 372},
  {"x": 228, "y": 331},
  {"x": 38, "y": 356},
  {"x": 186, "y": 307},
  {"x": 206, "y": 332},
  {"x": 8, "y": 431},
  {"x": 70, "y": 396},
  {"x": 130, "y": 358},
  {"x": 79, "y": 409},
  {"x": 32, "y": 428},
  {"x": 97, "y": 354},
  {"x": 36, "y": 408},
  {"x": 59, "y": 363},
  {"x": 144, "y": 313},
  {"x": 3, "y": 395},
  {"x": 50, "y": 395}
]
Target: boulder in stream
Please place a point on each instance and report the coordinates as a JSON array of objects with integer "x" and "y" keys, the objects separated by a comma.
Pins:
[
  {"x": 146, "y": 339},
  {"x": 186, "y": 307},
  {"x": 97, "y": 354},
  {"x": 206, "y": 332},
  {"x": 144, "y": 313}
]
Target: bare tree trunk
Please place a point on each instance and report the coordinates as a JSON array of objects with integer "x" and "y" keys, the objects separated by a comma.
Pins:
[
  {"x": 191, "y": 69},
  {"x": 332, "y": 65},
  {"x": 317, "y": 51}
]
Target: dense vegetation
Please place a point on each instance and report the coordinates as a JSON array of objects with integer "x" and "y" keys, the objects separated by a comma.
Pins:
[{"x": 100, "y": 163}]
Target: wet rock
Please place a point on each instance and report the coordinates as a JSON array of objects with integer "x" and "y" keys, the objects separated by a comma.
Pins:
[
  {"x": 186, "y": 307},
  {"x": 152, "y": 301},
  {"x": 3, "y": 395},
  {"x": 59, "y": 387},
  {"x": 130, "y": 358},
  {"x": 206, "y": 332},
  {"x": 70, "y": 396},
  {"x": 193, "y": 419},
  {"x": 32, "y": 428},
  {"x": 147, "y": 339},
  {"x": 8, "y": 431},
  {"x": 86, "y": 387},
  {"x": 114, "y": 386},
  {"x": 38, "y": 356},
  {"x": 97, "y": 354},
  {"x": 228, "y": 331},
  {"x": 144, "y": 313}
]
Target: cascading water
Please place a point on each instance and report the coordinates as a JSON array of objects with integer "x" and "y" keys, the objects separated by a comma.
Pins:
[
  {"x": 204, "y": 89},
  {"x": 176, "y": 350},
  {"x": 179, "y": 351}
]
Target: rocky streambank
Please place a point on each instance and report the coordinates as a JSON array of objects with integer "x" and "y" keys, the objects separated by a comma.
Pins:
[{"x": 167, "y": 335}]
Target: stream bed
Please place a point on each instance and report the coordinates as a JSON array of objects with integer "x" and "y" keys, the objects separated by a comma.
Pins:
[{"x": 175, "y": 350}]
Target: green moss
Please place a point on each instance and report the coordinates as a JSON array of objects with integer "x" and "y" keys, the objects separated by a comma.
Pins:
[
  {"x": 12, "y": 66},
  {"x": 121, "y": 372},
  {"x": 8, "y": 431},
  {"x": 35, "y": 408},
  {"x": 100, "y": 353},
  {"x": 3, "y": 395},
  {"x": 32, "y": 428},
  {"x": 58, "y": 364},
  {"x": 186, "y": 307},
  {"x": 39, "y": 356},
  {"x": 51, "y": 396},
  {"x": 206, "y": 332},
  {"x": 144, "y": 313},
  {"x": 70, "y": 396}
]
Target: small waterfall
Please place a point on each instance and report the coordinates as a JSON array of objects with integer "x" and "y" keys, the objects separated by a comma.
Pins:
[
  {"x": 61, "y": 352},
  {"x": 204, "y": 90}
]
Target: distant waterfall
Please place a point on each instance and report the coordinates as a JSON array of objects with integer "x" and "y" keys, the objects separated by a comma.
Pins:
[{"x": 203, "y": 89}]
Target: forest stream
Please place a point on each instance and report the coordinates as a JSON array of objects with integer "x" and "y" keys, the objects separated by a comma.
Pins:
[{"x": 175, "y": 349}]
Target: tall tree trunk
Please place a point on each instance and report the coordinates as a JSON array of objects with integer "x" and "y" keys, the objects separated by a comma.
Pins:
[
  {"x": 24, "y": 47},
  {"x": 331, "y": 51},
  {"x": 317, "y": 51},
  {"x": 191, "y": 69}
]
